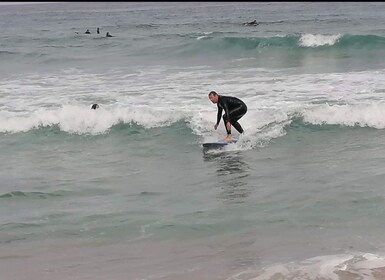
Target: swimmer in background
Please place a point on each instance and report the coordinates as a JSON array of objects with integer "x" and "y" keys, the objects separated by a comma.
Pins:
[{"x": 254, "y": 22}]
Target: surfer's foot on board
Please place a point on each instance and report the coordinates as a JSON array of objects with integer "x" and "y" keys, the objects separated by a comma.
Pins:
[{"x": 228, "y": 138}]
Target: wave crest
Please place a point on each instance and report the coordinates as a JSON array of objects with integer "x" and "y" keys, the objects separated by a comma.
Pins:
[
  {"x": 310, "y": 40},
  {"x": 335, "y": 267},
  {"x": 291, "y": 41},
  {"x": 80, "y": 120},
  {"x": 365, "y": 115}
]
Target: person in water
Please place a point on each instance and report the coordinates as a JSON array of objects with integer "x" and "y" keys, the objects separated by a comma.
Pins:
[
  {"x": 108, "y": 34},
  {"x": 94, "y": 106},
  {"x": 234, "y": 110},
  {"x": 87, "y": 31},
  {"x": 254, "y": 22},
  {"x": 97, "y": 31}
]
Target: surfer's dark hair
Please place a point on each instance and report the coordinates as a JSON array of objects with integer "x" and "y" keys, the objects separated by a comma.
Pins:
[
  {"x": 213, "y": 93},
  {"x": 94, "y": 106}
]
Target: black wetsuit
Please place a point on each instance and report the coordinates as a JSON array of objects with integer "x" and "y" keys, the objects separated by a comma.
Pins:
[{"x": 234, "y": 110}]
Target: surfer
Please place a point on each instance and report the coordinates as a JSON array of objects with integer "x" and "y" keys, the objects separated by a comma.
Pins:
[
  {"x": 254, "y": 22},
  {"x": 94, "y": 106},
  {"x": 87, "y": 31},
  {"x": 108, "y": 34},
  {"x": 234, "y": 110}
]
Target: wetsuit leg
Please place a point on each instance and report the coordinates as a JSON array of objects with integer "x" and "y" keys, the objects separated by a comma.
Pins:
[
  {"x": 235, "y": 115},
  {"x": 224, "y": 121},
  {"x": 238, "y": 127}
]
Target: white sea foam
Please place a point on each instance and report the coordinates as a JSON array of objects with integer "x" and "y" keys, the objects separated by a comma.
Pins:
[
  {"x": 83, "y": 120},
  {"x": 202, "y": 37},
  {"x": 158, "y": 96},
  {"x": 365, "y": 115},
  {"x": 311, "y": 40},
  {"x": 333, "y": 267}
]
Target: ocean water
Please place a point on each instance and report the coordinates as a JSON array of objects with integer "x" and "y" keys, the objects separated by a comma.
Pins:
[{"x": 128, "y": 192}]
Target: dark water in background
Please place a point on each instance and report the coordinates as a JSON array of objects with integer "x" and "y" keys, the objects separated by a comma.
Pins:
[{"x": 127, "y": 192}]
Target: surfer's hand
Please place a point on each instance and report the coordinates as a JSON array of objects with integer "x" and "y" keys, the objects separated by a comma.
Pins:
[{"x": 215, "y": 126}]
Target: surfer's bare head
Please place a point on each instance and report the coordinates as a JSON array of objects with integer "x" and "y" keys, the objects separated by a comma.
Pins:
[{"x": 213, "y": 96}]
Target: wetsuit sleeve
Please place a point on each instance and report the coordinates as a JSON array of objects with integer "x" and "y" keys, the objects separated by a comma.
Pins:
[
  {"x": 227, "y": 111},
  {"x": 219, "y": 115}
]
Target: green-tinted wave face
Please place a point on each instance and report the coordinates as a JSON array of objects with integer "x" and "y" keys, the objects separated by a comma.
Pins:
[
  {"x": 289, "y": 42},
  {"x": 309, "y": 52},
  {"x": 362, "y": 41}
]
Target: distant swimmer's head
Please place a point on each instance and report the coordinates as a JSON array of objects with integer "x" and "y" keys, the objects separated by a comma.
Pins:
[
  {"x": 213, "y": 96},
  {"x": 94, "y": 106}
]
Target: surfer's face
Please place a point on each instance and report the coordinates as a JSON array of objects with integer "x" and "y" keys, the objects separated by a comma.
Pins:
[{"x": 213, "y": 98}]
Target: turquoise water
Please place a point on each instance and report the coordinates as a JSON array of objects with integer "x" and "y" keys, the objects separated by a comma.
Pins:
[{"x": 128, "y": 192}]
